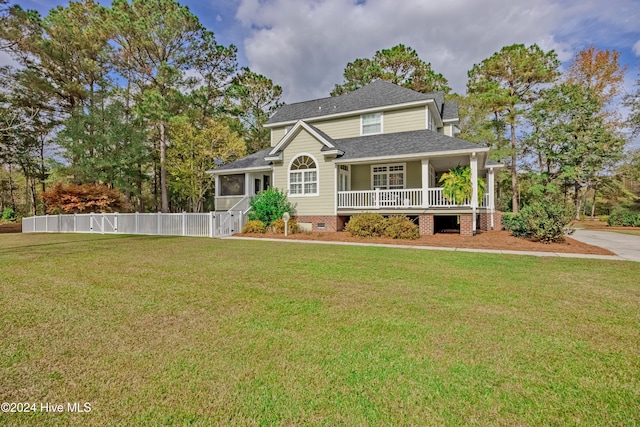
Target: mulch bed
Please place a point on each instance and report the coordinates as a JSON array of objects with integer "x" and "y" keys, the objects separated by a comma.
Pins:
[
  {"x": 496, "y": 240},
  {"x": 11, "y": 227}
]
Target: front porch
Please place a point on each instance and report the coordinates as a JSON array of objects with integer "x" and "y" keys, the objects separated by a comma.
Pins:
[{"x": 412, "y": 198}]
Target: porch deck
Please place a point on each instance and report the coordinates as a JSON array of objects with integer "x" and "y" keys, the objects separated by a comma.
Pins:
[{"x": 416, "y": 198}]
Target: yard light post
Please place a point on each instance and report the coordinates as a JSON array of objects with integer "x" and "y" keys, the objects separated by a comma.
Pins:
[{"x": 286, "y": 217}]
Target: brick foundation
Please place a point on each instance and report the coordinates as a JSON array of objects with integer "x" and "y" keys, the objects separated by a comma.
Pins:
[
  {"x": 331, "y": 222},
  {"x": 466, "y": 225},
  {"x": 485, "y": 221},
  {"x": 426, "y": 223}
]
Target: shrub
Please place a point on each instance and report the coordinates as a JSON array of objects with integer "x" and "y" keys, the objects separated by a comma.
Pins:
[
  {"x": 254, "y": 226},
  {"x": 603, "y": 218},
  {"x": 401, "y": 227},
  {"x": 544, "y": 221},
  {"x": 278, "y": 226},
  {"x": 9, "y": 215},
  {"x": 514, "y": 223},
  {"x": 624, "y": 217},
  {"x": 84, "y": 198},
  {"x": 269, "y": 206},
  {"x": 366, "y": 225}
]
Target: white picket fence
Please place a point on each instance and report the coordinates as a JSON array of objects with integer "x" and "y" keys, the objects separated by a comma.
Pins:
[{"x": 211, "y": 224}]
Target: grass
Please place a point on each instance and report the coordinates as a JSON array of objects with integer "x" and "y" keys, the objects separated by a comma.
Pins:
[{"x": 187, "y": 331}]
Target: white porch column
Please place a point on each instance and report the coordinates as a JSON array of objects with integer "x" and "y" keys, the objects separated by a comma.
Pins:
[
  {"x": 425, "y": 183},
  {"x": 336, "y": 177},
  {"x": 474, "y": 189},
  {"x": 247, "y": 184},
  {"x": 492, "y": 195}
]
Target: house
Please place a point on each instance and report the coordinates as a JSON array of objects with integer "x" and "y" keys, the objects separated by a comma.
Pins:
[{"x": 381, "y": 148}]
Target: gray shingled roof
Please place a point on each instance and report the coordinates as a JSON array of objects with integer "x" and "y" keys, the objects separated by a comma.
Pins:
[
  {"x": 252, "y": 161},
  {"x": 379, "y": 93},
  {"x": 450, "y": 110},
  {"x": 393, "y": 144}
]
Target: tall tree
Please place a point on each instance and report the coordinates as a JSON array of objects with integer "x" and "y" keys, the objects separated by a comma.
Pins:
[
  {"x": 506, "y": 83},
  {"x": 162, "y": 42},
  {"x": 632, "y": 101},
  {"x": 400, "y": 65},
  {"x": 572, "y": 143},
  {"x": 192, "y": 153},
  {"x": 598, "y": 70},
  {"x": 254, "y": 98}
]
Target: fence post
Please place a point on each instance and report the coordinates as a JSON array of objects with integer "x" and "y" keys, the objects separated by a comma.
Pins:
[
  {"x": 211, "y": 223},
  {"x": 75, "y": 222},
  {"x": 91, "y": 222},
  {"x": 159, "y": 225},
  {"x": 46, "y": 223},
  {"x": 377, "y": 198},
  {"x": 136, "y": 223},
  {"x": 115, "y": 223},
  {"x": 102, "y": 223},
  {"x": 184, "y": 225}
]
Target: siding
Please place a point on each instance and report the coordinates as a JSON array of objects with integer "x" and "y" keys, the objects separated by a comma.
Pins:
[
  {"x": 346, "y": 127},
  {"x": 404, "y": 120},
  {"x": 414, "y": 175},
  {"x": 226, "y": 203},
  {"x": 276, "y": 135},
  {"x": 324, "y": 203},
  {"x": 360, "y": 177}
]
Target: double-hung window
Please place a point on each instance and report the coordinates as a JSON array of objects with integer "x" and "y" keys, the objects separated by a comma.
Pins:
[
  {"x": 303, "y": 177},
  {"x": 388, "y": 177},
  {"x": 371, "y": 123}
]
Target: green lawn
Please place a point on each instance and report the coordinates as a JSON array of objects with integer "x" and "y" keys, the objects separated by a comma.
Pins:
[{"x": 196, "y": 331}]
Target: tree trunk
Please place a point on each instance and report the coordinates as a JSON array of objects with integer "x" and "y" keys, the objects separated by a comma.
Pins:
[
  {"x": 576, "y": 200},
  {"x": 514, "y": 171},
  {"x": 163, "y": 169},
  {"x": 593, "y": 203}
]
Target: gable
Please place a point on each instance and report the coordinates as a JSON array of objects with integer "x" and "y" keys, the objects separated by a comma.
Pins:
[{"x": 324, "y": 142}]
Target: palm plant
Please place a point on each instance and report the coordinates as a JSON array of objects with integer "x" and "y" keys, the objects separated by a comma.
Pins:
[{"x": 456, "y": 185}]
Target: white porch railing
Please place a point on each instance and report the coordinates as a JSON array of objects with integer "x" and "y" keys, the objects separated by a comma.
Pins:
[
  {"x": 367, "y": 199},
  {"x": 407, "y": 198},
  {"x": 212, "y": 224}
]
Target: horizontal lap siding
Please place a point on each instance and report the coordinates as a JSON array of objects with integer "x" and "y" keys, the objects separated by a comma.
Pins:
[
  {"x": 276, "y": 135},
  {"x": 405, "y": 120},
  {"x": 323, "y": 204},
  {"x": 347, "y": 127}
]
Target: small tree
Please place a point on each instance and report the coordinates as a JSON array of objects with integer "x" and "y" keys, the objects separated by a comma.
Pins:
[
  {"x": 83, "y": 199},
  {"x": 456, "y": 185},
  {"x": 269, "y": 206}
]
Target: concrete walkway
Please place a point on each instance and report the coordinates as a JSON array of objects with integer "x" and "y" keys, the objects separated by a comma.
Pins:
[
  {"x": 627, "y": 246},
  {"x": 439, "y": 248}
]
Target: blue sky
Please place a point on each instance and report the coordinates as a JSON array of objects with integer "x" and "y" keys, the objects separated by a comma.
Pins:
[{"x": 303, "y": 45}]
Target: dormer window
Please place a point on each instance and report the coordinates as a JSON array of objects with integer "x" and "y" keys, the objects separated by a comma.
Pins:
[{"x": 371, "y": 124}]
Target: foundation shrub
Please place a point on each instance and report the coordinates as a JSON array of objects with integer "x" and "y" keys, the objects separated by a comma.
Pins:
[
  {"x": 401, "y": 227},
  {"x": 254, "y": 226},
  {"x": 366, "y": 225}
]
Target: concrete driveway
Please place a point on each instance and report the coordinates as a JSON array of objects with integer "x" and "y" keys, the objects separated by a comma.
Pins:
[{"x": 626, "y": 246}]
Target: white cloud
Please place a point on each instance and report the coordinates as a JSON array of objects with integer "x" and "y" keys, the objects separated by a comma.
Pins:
[
  {"x": 636, "y": 48},
  {"x": 304, "y": 45}
]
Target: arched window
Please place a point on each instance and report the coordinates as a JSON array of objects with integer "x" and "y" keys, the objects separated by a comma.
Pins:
[{"x": 303, "y": 176}]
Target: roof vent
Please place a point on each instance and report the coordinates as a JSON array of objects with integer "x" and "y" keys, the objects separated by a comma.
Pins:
[{"x": 319, "y": 107}]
